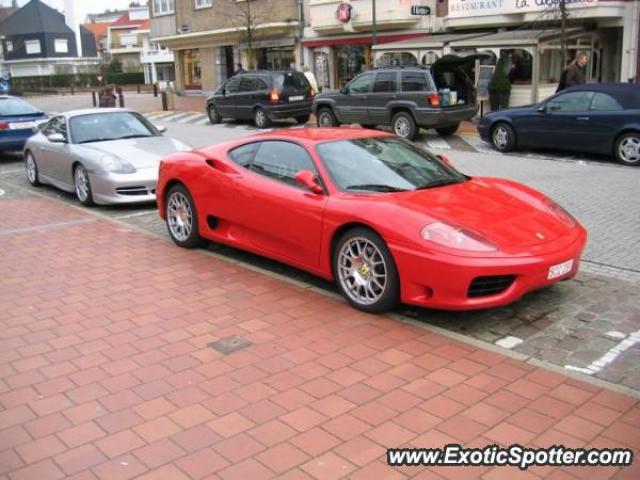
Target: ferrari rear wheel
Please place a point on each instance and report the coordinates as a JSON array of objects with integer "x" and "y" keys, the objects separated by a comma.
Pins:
[
  {"x": 32, "y": 169},
  {"x": 182, "y": 220},
  {"x": 365, "y": 271}
]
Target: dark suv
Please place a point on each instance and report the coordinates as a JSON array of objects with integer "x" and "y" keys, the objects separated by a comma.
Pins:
[
  {"x": 406, "y": 98},
  {"x": 262, "y": 96}
]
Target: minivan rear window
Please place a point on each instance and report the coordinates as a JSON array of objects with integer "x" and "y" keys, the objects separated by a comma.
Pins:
[
  {"x": 414, "y": 82},
  {"x": 291, "y": 80}
]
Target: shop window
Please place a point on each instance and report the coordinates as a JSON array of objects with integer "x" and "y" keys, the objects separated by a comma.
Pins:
[
  {"x": 414, "y": 82},
  {"x": 350, "y": 61},
  {"x": 605, "y": 103},
  {"x": 32, "y": 47},
  {"x": 385, "y": 82},
  {"x": 396, "y": 59},
  {"x": 520, "y": 65},
  {"x": 430, "y": 58}
]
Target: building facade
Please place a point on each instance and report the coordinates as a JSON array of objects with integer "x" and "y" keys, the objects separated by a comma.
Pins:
[
  {"x": 37, "y": 40},
  {"x": 339, "y": 35},
  {"x": 127, "y": 36},
  {"x": 209, "y": 38}
]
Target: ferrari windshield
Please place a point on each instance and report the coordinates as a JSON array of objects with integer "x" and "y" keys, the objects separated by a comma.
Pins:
[
  {"x": 384, "y": 164},
  {"x": 102, "y": 127}
]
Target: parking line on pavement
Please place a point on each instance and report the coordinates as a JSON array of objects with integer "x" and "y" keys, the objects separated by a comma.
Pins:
[
  {"x": 46, "y": 226},
  {"x": 608, "y": 357},
  {"x": 191, "y": 117}
]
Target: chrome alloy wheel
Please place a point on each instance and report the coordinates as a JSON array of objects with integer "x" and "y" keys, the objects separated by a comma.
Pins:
[
  {"x": 500, "y": 137},
  {"x": 402, "y": 127},
  {"x": 629, "y": 149},
  {"x": 30, "y": 165},
  {"x": 82, "y": 183},
  {"x": 362, "y": 271},
  {"x": 179, "y": 216}
]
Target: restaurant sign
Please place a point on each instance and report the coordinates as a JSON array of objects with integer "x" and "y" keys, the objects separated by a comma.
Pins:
[{"x": 475, "y": 8}]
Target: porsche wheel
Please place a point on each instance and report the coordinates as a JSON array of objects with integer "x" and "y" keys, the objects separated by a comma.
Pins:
[
  {"x": 181, "y": 218},
  {"x": 365, "y": 271},
  {"x": 31, "y": 169},
  {"x": 82, "y": 185},
  {"x": 503, "y": 137}
]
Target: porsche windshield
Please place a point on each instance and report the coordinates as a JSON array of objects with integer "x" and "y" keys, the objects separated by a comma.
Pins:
[
  {"x": 384, "y": 164},
  {"x": 101, "y": 127}
]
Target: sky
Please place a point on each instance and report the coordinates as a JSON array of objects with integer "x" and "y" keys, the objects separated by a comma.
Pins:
[{"x": 83, "y": 6}]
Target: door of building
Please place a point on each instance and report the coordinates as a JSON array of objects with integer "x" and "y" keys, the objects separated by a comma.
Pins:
[{"x": 192, "y": 75}]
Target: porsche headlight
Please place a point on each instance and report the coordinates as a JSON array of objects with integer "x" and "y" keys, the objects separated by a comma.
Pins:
[
  {"x": 116, "y": 165},
  {"x": 456, "y": 237}
]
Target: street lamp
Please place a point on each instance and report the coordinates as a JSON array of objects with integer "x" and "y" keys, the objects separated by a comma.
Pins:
[{"x": 373, "y": 33}]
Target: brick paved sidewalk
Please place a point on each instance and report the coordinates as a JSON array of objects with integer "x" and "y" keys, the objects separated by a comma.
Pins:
[{"x": 105, "y": 372}]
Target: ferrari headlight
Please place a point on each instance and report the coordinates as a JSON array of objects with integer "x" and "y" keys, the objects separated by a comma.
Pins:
[
  {"x": 116, "y": 165},
  {"x": 456, "y": 237},
  {"x": 560, "y": 213}
]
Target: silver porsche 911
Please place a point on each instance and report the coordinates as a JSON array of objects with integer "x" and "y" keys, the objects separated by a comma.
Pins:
[{"x": 105, "y": 156}]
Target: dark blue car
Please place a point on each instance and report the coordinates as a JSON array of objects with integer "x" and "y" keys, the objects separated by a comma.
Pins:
[
  {"x": 17, "y": 120},
  {"x": 594, "y": 118}
]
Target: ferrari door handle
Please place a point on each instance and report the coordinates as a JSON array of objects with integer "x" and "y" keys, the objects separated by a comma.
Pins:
[{"x": 582, "y": 119}]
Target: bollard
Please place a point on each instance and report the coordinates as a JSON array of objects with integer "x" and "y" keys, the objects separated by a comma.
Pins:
[
  {"x": 93, "y": 99},
  {"x": 155, "y": 90},
  {"x": 71, "y": 89},
  {"x": 120, "y": 99},
  {"x": 164, "y": 101},
  {"x": 138, "y": 87}
]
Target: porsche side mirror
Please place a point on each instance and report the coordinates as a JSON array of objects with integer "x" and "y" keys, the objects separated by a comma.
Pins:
[
  {"x": 308, "y": 179},
  {"x": 56, "y": 138},
  {"x": 444, "y": 159},
  {"x": 161, "y": 128}
]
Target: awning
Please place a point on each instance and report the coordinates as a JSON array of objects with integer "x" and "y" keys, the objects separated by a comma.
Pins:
[
  {"x": 436, "y": 41},
  {"x": 359, "y": 40},
  {"x": 521, "y": 38}
]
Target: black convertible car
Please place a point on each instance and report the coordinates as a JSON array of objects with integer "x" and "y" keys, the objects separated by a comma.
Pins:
[{"x": 595, "y": 118}]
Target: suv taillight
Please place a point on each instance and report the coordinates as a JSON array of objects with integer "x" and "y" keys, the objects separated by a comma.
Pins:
[
  {"x": 434, "y": 99},
  {"x": 4, "y": 126},
  {"x": 274, "y": 97}
]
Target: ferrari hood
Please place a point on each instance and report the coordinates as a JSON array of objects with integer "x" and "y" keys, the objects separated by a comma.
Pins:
[
  {"x": 140, "y": 152},
  {"x": 505, "y": 213}
]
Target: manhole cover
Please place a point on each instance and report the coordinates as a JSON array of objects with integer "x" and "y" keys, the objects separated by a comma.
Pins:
[{"x": 230, "y": 344}]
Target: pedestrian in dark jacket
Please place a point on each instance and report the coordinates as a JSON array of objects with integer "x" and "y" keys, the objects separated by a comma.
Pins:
[
  {"x": 575, "y": 73},
  {"x": 239, "y": 70}
]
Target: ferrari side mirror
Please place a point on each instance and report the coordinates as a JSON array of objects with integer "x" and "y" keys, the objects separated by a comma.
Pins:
[{"x": 308, "y": 179}]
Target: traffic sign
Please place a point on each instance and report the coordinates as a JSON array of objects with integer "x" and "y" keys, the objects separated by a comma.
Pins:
[{"x": 420, "y": 10}]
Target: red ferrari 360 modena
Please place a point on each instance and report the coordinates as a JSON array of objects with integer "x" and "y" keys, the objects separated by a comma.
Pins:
[{"x": 385, "y": 219}]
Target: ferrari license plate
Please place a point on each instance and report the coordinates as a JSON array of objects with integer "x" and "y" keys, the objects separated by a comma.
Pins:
[
  {"x": 560, "y": 269},
  {"x": 22, "y": 125},
  {"x": 297, "y": 98}
]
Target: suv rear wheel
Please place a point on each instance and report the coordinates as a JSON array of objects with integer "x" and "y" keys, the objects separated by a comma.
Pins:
[
  {"x": 214, "y": 116},
  {"x": 450, "y": 130},
  {"x": 404, "y": 125},
  {"x": 260, "y": 118},
  {"x": 326, "y": 118}
]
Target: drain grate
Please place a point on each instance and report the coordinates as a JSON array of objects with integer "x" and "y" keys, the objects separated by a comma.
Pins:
[{"x": 230, "y": 344}]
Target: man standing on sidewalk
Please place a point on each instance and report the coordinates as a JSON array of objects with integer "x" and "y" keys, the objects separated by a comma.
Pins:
[{"x": 575, "y": 73}]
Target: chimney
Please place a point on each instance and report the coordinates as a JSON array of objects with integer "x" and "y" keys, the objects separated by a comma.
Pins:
[{"x": 72, "y": 22}]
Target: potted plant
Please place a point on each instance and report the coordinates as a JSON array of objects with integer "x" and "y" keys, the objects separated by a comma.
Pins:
[{"x": 500, "y": 87}]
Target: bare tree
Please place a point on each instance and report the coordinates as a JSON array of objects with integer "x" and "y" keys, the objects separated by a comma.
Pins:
[{"x": 250, "y": 15}]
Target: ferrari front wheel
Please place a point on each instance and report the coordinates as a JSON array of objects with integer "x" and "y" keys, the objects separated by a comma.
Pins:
[
  {"x": 181, "y": 218},
  {"x": 365, "y": 271}
]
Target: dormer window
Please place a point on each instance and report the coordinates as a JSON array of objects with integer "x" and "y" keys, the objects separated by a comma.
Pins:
[
  {"x": 9, "y": 45},
  {"x": 203, "y": 3},
  {"x": 61, "y": 45},
  {"x": 32, "y": 47}
]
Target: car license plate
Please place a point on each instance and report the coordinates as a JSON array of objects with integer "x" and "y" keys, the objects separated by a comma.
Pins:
[
  {"x": 22, "y": 125},
  {"x": 297, "y": 98},
  {"x": 560, "y": 269}
]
